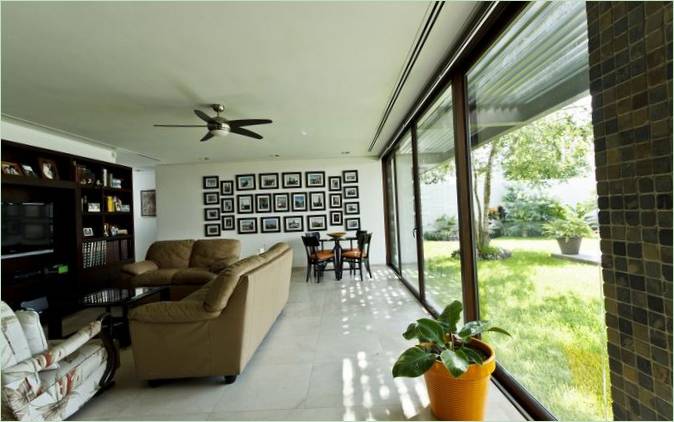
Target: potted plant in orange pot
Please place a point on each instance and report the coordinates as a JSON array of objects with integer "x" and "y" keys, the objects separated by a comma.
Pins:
[{"x": 457, "y": 366}]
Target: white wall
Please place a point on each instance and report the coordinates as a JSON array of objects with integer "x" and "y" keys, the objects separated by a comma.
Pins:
[
  {"x": 180, "y": 201},
  {"x": 145, "y": 227}
]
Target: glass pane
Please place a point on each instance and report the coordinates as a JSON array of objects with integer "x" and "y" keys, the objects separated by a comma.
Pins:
[
  {"x": 406, "y": 215},
  {"x": 534, "y": 188},
  {"x": 391, "y": 213},
  {"x": 439, "y": 212}
]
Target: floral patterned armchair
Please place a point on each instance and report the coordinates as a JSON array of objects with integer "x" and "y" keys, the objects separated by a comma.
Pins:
[{"x": 51, "y": 380}]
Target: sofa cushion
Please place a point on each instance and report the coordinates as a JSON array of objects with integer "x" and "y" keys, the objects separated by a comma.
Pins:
[
  {"x": 221, "y": 288},
  {"x": 192, "y": 276},
  {"x": 207, "y": 252},
  {"x": 13, "y": 345},
  {"x": 32, "y": 330},
  {"x": 171, "y": 253},
  {"x": 155, "y": 278}
]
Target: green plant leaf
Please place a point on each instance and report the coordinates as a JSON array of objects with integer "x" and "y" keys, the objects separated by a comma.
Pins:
[
  {"x": 455, "y": 362},
  {"x": 411, "y": 331},
  {"x": 498, "y": 330},
  {"x": 472, "y": 356},
  {"x": 472, "y": 328},
  {"x": 451, "y": 316},
  {"x": 431, "y": 330},
  {"x": 413, "y": 362}
]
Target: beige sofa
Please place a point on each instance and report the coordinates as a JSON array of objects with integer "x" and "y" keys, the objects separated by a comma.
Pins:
[
  {"x": 187, "y": 263},
  {"x": 215, "y": 330}
]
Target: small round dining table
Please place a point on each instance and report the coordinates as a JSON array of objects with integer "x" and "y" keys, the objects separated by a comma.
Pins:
[{"x": 337, "y": 251}]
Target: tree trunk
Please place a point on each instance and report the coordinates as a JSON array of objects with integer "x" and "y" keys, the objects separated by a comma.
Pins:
[{"x": 483, "y": 225}]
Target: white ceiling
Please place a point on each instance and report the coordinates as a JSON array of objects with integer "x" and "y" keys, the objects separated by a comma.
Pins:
[{"x": 108, "y": 71}]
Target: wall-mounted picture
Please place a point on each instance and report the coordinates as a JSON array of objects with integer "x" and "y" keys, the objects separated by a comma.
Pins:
[
  {"x": 351, "y": 208},
  {"x": 335, "y": 183},
  {"x": 227, "y": 205},
  {"x": 335, "y": 200},
  {"x": 28, "y": 170},
  {"x": 350, "y": 192},
  {"x": 299, "y": 201},
  {"x": 244, "y": 204},
  {"x": 211, "y": 198},
  {"x": 87, "y": 231},
  {"x": 317, "y": 222},
  {"x": 268, "y": 180},
  {"x": 227, "y": 187},
  {"x": 48, "y": 169},
  {"x": 262, "y": 202},
  {"x": 245, "y": 182},
  {"x": 148, "y": 203},
  {"x": 315, "y": 179},
  {"x": 291, "y": 180},
  {"x": 293, "y": 223},
  {"x": 352, "y": 223},
  {"x": 211, "y": 214},
  {"x": 281, "y": 202},
  {"x": 210, "y": 182},
  {"x": 270, "y": 224},
  {"x": 350, "y": 176},
  {"x": 316, "y": 201},
  {"x": 336, "y": 218},
  {"x": 212, "y": 230},
  {"x": 227, "y": 222},
  {"x": 246, "y": 225},
  {"x": 11, "y": 168}
]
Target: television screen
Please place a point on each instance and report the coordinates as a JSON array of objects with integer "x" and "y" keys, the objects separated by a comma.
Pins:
[{"x": 27, "y": 228}]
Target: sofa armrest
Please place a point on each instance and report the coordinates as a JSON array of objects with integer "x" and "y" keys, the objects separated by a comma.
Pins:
[
  {"x": 171, "y": 312},
  {"x": 138, "y": 268},
  {"x": 221, "y": 264}
]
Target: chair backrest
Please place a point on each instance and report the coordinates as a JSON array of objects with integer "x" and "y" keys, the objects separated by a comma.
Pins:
[
  {"x": 13, "y": 344},
  {"x": 317, "y": 235},
  {"x": 311, "y": 245},
  {"x": 364, "y": 239}
]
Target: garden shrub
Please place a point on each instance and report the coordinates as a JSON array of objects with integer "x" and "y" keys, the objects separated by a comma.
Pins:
[
  {"x": 527, "y": 210},
  {"x": 445, "y": 228}
]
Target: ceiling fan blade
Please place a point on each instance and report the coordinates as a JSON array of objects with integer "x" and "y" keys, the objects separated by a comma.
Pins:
[
  {"x": 248, "y": 122},
  {"x": 179, "y": 125},
  {"x": 208, "y": 136},
  {"x": 244, "y": 132},
  {"x": 203, "y": 116}
]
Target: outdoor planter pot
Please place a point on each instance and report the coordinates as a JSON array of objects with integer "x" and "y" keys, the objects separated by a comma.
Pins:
[{"x": 569, "y": 245}]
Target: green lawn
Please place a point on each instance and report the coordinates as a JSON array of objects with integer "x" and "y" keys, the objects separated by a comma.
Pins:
[{"x": 554, "y": 310}]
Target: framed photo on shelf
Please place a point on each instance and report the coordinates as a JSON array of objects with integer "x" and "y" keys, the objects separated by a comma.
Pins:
[
  {"x": 226, "y": 187},
  {"x": 227, "y": 205},
  {"x": 245, "y": 182},
  {"x": 28, "y": 170},
  {"x": 11, "y": 168},
  {"x": 48, "y": 169},
  {"x": 246, "y": 225},
  {"x": 212, "y": 230},
  {"x": 336, "y": 218},
  {"x": 268, "y": 180},
  {"x": 211, "y": 214},
  {"x": 299, "y": 201},
  {"x": 317, "y": 222},
  {"x": 291, "y": 180},
  {"x": 270, "y": 224},
  {"x": 87, "y": 231},
  {"x": 351, "y": 208},
  {"x": 93, "y": 207},
  {"x": 352, "y": 223},
  {"x": 210, "y": 182},
  {"x": 335, "y": 200},
  {"x": 244, "y": 204},
  {"x": 335, "y": 183},
  {"x": 227, "y": 222},
  {"x": 294, "y": 223},
  {"x": 148, "y": 203},
  {"x": 262, "y": 202},
  {"x": 351, "y": 192},
  {"x": 281, "y": 202},
  {"x": 315, "y": 179},
  {"x": 211, "y": 198},
  {"x": 350, "y": 176},
  {"x": 317, "y": 201}
]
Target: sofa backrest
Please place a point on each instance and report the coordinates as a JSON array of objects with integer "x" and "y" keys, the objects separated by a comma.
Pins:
[
  {"x": 170, "y": 253},
  {"x": 206, "y": 252},
  {"x": 13, "y": 344}
]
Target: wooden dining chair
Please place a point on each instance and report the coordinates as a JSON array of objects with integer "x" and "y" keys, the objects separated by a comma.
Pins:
[
  {"x": 359, "y": 256},
  {"x": 317, "y": 257}
]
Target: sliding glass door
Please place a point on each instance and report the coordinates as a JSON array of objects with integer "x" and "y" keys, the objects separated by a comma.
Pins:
[{"x": 391, "y": 213}]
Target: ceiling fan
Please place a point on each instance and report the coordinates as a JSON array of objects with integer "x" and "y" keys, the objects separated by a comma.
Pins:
[{"x": 219, "y": 126}]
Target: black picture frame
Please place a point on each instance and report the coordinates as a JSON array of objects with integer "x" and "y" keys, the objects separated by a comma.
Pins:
[
  {"x": 148, "y": 203},
  {"x": 245, "y": 182},
  {"x": 212, "y": 230},
  {"x": 226, "y": 187},
  {"x": 262, "y": 196},
  {"x": 348, "y": 195},
  {"x": 322, "y": 227},
  {"x": 227, "y": 222},
  {"x": 275, "y": 202},
  {"x": 290, "y": 219},
  {"x": 240, "y": 229},
  {"x": 249, "y": 198},
  {"x": 227, "y": 205},
  {"x": 319, "y": 206},
  {"x": 350, "y": 176},
  {"x": 291, "y": 180},
  {"x": 211, "y": 198},
  {"x": 336, "y": 218},
  {"x": 310, "y": 174},
  {"x": 272, "y": 176},
  {"x": 212, "y": 214},
  {"x": 336, "y": 200},
  {"x": 263, "y": 228},
  {"x": 334, "y": 184},
  {"x": 210, "y": 182},
  {"x": 348, "y": 221},
  {"x": 293, "y": 203},
  {"x": 347, "y": 211}
]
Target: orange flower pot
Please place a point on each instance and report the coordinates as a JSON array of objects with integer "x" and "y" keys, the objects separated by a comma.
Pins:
[{"x": 465, "y": 397}]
